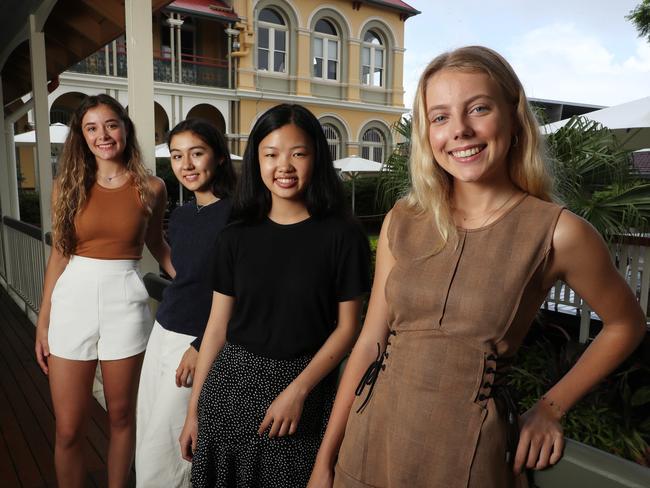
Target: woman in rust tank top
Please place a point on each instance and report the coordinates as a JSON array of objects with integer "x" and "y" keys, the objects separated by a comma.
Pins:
[
  {"x": 463, "y": 264},
  {"x": 106, "y": 206}
]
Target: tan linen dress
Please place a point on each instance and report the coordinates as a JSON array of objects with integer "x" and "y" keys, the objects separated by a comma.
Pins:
[{"x": 456, "y": 318}]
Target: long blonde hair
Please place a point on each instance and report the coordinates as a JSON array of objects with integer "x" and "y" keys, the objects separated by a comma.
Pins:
[
  {"x": 77, "y": 168},
  {"x": 432, "y": 186}
]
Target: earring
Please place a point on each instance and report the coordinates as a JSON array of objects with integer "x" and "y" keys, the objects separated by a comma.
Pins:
[{"x": 515, "y": 141}]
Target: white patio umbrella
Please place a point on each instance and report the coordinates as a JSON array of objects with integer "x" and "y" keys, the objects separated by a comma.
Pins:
[
  {"x": 162, "y": 151},
  {"x": 630, "y": 122},
  {"x": 58, "y": 133},
  {"x": 352, "y": 166}
]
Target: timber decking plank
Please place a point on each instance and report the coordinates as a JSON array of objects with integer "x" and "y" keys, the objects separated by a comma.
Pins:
[
  {"x": 8, "y": 474},
  {"x": 97, "y": 435},
  {"x": 26, "y": 332},
  {"x": 27, "y": 408},
  {"x": 26, "y": 412},
  {"x": 17, "y": 364},
  {"x": 19, "y": 451}
]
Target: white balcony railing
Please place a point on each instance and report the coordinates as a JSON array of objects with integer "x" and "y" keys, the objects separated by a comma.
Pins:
[
  {"x": 632, "y": 259},
  {"x": 23, "y": 263}
]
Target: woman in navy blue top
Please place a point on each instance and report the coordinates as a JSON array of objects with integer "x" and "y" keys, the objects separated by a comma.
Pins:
[{"x": 201, "y": 162}]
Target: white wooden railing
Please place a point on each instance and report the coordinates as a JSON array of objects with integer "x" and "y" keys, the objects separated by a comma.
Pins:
[
  {"x": 22, "y": 266},
  {"x": 632, "y": 258},
  {"x": 24, "y": 262},
  {"x": 3, "y": 269}
]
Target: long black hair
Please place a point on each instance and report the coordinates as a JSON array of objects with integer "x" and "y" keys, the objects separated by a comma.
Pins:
[
  {"x": 223, "y": 184},
  {"x": 324, "y": 193}
]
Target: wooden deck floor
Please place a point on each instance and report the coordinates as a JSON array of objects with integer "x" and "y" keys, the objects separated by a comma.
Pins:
[{"x": 26, "y": 415}]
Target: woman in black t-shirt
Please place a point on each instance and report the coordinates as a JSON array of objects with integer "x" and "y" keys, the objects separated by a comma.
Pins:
[
  {"x": 201, "y": 162},
  {"x": 287, "y": 279}
]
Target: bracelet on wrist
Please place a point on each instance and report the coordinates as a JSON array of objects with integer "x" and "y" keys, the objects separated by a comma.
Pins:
[{"x": 554, "y": 406}]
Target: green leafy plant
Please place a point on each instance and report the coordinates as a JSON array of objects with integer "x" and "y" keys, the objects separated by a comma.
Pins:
[
  {"x": 30, "y": 207},
  {"x": 640, "y": 17},
  {"x": 612, "y": 417},
  {"x": 394, "y": 180},
  {"x": 595, "y": 179}
]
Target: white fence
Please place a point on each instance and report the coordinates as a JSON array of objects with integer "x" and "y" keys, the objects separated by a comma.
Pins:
[
  {"x": 3, "y": 269},
  {"x": 632, "y": 259},
  {"x": 23, "y": 262},
  {"x": 22, "y": 265}
]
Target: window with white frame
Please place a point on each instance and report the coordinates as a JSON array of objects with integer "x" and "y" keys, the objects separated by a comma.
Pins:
[
  {"x": 372, "y": 145},
  {"x": 326, "y": 51},
  {"x": 372, "y": 60},
  {"x": 272, "y": 35},
  {"x": 333, "y": 140}
]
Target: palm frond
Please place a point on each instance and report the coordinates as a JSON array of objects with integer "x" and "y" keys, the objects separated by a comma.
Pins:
[
  {"x": 394, "y": 179},
  {"x": 595, "y": 179},
  {"x": 593, "y": 176}
]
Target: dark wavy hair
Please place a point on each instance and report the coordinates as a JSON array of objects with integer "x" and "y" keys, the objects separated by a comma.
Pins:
[
  {"x": 223, "y": 184},
  {"x": 323, "y": 195}
]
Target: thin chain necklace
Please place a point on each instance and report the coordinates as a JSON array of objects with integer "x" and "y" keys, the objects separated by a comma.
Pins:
[
  {"x": 492, "y": 212},
  {"x": 111, "y": 178},
  {"x": 201, "y": 207}
]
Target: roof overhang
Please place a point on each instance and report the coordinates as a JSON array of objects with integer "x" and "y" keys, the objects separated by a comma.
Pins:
[
  {"x": 74, "y": 29},
  {"x": 210, "y": 9},
  {"x": 404, "y": 9}
]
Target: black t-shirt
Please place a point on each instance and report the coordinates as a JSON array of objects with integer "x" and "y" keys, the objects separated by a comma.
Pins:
[
  {"x": 287, "y": 281},
  {"x": 192, "y": 234}
]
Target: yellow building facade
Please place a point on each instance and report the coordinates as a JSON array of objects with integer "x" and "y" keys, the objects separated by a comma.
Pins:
[
  {"x": 341, "y": 59},
  {"x": 229, "y": 61}
]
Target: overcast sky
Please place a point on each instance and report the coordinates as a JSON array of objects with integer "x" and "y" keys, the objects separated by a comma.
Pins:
[{"x": 568, "y": 50}]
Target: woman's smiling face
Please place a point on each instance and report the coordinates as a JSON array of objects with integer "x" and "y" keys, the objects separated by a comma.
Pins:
[
  {"x": 286, "y": 158},
  {"x": 104, "y": 133},
  {"x": 193, "y": 161},
  {"x": 471, "y": 125}
]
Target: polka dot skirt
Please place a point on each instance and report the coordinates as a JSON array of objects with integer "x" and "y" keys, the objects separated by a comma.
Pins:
[{"x": 235, "y": 396}]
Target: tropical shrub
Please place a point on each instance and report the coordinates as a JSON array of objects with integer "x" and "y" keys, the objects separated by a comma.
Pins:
[
  {"x": 613, "y": 417},
  {"x": 394, "y": 181},
  {"x": 30, "y": 207},
  {"x": 595, "y": 179}
]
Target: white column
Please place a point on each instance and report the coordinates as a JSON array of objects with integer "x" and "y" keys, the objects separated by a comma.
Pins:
[
  {"x": 8, "y": 182},
  {"x": 43, "y": 162},
  {"x": 139, "y": 59},
  {"x": 172, "y": 46},
  {"x": 114, "y": 53},
  {"x": 179, "y": 52}
]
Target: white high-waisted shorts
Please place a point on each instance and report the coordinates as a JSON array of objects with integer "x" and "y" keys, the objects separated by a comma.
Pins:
[{"x": 99, "y": 310}]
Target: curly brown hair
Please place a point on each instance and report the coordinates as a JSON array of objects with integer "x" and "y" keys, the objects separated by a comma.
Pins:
[{"x": 77, "y": 168}]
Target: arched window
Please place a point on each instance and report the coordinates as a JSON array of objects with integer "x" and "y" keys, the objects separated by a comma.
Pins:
[
  {"x": 333, "y": 140},
  {"x": 326, "y": 51},
  {"x": 372, "y": 145},
  {"x": 372, "y": 60},
  {"x": 272, "y": 36}
]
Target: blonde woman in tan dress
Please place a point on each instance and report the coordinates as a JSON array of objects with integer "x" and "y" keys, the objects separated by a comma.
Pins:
[{"x": 463, "y": 264}]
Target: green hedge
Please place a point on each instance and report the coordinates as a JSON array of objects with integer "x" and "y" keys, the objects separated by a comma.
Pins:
[{"x": 30, "y": 207}]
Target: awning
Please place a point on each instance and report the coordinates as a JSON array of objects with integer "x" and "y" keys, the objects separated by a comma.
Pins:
[{"x": 212, "y": 9}]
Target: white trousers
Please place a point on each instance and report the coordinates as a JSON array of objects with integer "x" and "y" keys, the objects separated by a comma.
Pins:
[{"x": 161, "y": 413}]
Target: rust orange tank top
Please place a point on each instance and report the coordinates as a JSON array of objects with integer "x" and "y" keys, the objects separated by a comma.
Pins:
[{"x": 112, "y": 224}]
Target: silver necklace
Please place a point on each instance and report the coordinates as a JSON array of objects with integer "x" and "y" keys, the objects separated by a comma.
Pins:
[
  {"x": 492, "y": 212},
  {"x": 111, "y": 178},
  {"x": 201, "y": 207}
]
